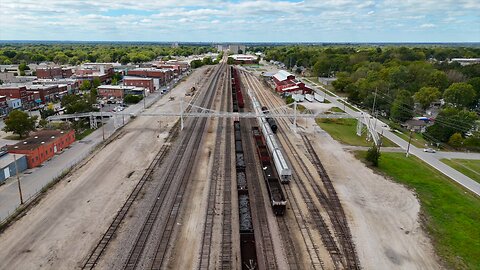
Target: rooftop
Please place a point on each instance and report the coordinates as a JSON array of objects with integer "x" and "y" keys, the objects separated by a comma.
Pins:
[
  {"x": 136, "y": 78},
  {"x": 7, "y": 159},
  {"x": 37, "y": 139},
  {"x": 282, "y": 75}
]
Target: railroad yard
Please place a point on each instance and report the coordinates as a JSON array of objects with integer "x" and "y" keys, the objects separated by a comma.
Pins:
[{"x": 223, "y": 193}]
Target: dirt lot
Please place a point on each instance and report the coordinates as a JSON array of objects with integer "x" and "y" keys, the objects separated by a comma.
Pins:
[
  {"x": 383, "y": 216},
  {"x": 59, "y": 232}
]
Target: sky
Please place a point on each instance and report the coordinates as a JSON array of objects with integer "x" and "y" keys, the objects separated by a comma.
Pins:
[{"x": 241, "y": 21}]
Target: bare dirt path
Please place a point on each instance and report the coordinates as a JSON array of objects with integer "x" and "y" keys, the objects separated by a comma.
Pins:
[{"x": 59, "y": 232}]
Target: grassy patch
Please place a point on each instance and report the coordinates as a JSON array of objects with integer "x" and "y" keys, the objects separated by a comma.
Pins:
[
  {"x": 13, "y": 137},
  {"x": 85, "y": 133},
  {"x": 348, "y": 105},
  {"x": 450, "y": 214},
  {"x": 344, "y": 131},
  {"x": 335, "y": 109},
  {"x": 469, "y": 167}
]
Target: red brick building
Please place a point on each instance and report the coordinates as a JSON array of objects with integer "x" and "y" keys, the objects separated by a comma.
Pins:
[
  {"x": 11, "y": 91},
  {"x": 163, "y": 75},
  {"x": 53, "y": 72},
  {"x": 285, "y": 82},
  {"x": 43, "y": 145},
  {"x": 139, "y": 82}
]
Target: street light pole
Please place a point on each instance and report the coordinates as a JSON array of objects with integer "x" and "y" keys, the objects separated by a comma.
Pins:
[
  {"x": 18, "y": 179},
  {"x": 144, "y": 97},
  {"x": 103, "y": 126}
]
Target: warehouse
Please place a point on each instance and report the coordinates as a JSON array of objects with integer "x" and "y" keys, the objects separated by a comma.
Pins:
[
  {"x": 8, "y": 163},
  {"x": 43, "y": 145},
  {"x": 286, "y": 83}
]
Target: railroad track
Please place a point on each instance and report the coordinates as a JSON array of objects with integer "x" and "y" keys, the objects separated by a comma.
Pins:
[
  {"x": 216, "y": 184},
  {"x": 226, "y": 238},
  {"x": 346, "y": 237},
  {"x": 190, "y": 140},
  {"x": 333, "y": 207}
]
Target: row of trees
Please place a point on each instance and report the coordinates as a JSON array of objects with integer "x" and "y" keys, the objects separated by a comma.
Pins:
[{"x": 75, "y": 54}]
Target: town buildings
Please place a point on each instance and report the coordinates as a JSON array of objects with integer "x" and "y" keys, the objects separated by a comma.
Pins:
[
  {"x": 18, "y": 92},
  {"x": 46, "y": 72},
  {"x": 43, "y": 145}
]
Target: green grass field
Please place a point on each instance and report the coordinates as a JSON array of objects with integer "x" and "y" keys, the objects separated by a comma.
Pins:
[
  {"x": 450, "y": 214},
  {"x": 344, "y": 131},
  {"x": 469, "y": 167},
  {"x": 85, "y": 133}
]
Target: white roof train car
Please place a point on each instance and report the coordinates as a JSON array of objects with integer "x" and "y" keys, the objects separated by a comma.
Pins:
[{"x": 283, "y": 170}]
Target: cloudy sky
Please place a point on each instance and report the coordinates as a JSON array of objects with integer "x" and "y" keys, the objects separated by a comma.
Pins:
[{"x": 239, "y": 20}]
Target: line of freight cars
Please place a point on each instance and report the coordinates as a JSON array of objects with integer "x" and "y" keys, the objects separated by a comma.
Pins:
[
  {"x": 237, "y": 95},
  {"x": 275, "y": 192},
  {"x": 247, "y": 236}
]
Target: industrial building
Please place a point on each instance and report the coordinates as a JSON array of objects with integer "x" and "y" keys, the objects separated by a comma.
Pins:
[
  {"x": 244, "y": 59},
  {"x": 287, "y": 84},
  {"x": 43, "y": 145},
  {"x": 9, "y": 164}
]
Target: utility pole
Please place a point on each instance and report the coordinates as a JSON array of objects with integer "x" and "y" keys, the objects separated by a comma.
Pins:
[
  {"x": 181, "y": 114},
  {"x": 103, "y": 126},
  {"x": 409, "y": 141},
  {"x": 295, "y": 115},
  {"x": 373, "y": 109},
  {"x": 144, "y": 97},
  {"x": 18, "y": 180}
]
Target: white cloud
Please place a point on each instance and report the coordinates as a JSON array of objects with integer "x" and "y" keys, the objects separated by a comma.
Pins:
[{"x": 427, "y": 25}]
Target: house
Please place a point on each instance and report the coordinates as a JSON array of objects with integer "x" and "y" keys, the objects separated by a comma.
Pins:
[
  {"x": 9, "y": 164},
  {"x": 43, "y": 145},
  {"x": 415, "y": 125}
]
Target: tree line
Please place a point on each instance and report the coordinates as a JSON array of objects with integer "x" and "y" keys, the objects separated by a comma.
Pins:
[{"x": 75, "y": 54}]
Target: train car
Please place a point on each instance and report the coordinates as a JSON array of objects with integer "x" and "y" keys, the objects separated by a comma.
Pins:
[
  {"x": 240, "y": 101},
  {"x": 274, "y": 187},
  {"x": 309, "y": 97},
  {"x": 248, "y": 250},
  {"x": 273, "y": 124}
]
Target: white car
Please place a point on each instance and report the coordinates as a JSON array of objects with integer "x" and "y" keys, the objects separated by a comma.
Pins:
[{"x": 429, "y": 150}]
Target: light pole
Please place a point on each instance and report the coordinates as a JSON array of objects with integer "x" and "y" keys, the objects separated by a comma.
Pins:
[{"x": 18, "y": 179}]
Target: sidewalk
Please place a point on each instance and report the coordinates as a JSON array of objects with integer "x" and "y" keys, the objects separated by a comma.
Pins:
[{"x": 33, "y": 180}]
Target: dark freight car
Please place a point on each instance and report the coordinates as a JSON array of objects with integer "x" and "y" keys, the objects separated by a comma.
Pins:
[{"x": 274, "y": 187}]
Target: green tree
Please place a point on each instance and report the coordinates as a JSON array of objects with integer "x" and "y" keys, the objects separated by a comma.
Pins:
[
  {"x": 450, "y": 121},
  {"x": 86, "y": 85},
  {"x": 426, "y": 95},
  {"x": 456, "y": 140},
  {"x": 96, "y": 82},
  {"x": 132, "y": 99},
  {"x": 93, "y": 96},
  {"x": 401, "y": 107},
  {"x": 230, "y": 61},
  {"x": 19, "y": 123},
  {"x": 373, "y": 155},
  {"x": 460, "y": 95}
]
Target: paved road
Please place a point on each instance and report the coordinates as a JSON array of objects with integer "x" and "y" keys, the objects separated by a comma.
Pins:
[
  {"x": 429, "y": 158},
  {"x": 33, "y": 180}
]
